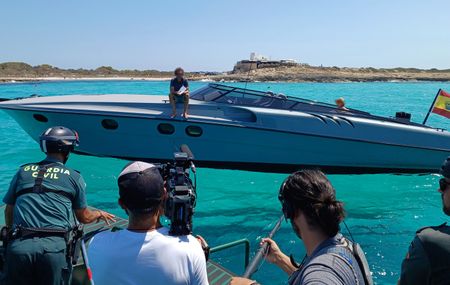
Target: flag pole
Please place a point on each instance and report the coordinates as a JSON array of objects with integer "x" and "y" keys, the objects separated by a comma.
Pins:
[{"x": 431, "y": 107}]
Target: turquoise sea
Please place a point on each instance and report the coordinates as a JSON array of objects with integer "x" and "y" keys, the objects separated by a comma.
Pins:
[{"x": 383, "y": 211}]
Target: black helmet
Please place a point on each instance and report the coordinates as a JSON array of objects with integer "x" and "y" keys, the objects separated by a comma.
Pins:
[
  {"x": 58, "y": 140},
  {"x": 445, "y": 168}
]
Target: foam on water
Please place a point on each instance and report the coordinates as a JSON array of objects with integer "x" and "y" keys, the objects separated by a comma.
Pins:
[{"x": 384, "y": 211}]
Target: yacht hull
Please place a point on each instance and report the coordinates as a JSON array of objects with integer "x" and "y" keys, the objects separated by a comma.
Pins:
[{"x": 233, "y": 145}]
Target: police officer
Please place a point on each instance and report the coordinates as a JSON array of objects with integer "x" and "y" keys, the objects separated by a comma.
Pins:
[
  {"x": 39, "y": 210},
  {"x": 428, "y": 258}
]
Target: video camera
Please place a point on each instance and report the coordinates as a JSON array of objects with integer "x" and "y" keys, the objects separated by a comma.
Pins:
[{"x": 181, "y": 198}]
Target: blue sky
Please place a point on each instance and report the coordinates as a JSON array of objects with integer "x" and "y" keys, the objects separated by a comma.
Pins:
[{"x": 213, "y": 35}]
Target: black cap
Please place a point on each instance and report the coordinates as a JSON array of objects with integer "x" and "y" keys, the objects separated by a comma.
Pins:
[
  {"x": 445, "y": 168},
  {"x": 141, "y": 187}
]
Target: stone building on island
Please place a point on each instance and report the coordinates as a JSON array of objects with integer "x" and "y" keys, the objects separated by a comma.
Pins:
[{"x": 257, "y": 61}]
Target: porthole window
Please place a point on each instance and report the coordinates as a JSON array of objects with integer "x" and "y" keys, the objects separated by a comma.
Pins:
[
  {"x": 194, "y": 131},
  {"x": 166, "y": 129},
  {"x": 110, "y": 124},
  {"x": 40, "y": 118}
]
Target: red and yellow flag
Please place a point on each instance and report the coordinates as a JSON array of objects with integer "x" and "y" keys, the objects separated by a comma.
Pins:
[{"x": 442, "y": 104}]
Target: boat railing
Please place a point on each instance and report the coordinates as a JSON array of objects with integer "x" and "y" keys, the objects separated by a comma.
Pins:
[{"x": 232, "y": 244}]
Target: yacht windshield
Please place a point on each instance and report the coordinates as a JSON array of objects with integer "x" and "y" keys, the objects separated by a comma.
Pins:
[
  {"x": 240, "y": 96},
  {"x": 244, "y": 97}
]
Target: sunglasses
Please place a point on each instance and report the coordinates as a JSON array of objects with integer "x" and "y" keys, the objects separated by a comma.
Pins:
[{"x": 443, "y": 184}]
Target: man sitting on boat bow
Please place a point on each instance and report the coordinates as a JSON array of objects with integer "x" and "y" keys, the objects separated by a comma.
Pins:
[{"x": 179, "y": 88}]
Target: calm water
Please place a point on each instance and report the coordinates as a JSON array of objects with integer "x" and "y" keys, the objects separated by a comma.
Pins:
[{"x": 384, "y": 211}]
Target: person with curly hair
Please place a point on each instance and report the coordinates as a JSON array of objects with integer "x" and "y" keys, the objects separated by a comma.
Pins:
[{"x": 309, "y": 201}]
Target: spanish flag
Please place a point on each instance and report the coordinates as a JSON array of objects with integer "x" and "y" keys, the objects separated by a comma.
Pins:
[{"x": 442, "y": 104}]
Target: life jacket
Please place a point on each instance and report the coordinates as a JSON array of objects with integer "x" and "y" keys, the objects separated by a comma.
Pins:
[{"x": 72, "y": 236}]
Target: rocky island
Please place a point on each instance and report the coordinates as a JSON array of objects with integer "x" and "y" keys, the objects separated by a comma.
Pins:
[
  {"x": 282, "y": 71},
  {"x": 307, "y": 73}
]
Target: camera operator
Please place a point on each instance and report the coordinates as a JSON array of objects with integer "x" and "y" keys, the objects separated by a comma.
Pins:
[
  {"x": 309, "y": 202},
  {"x": 145, "y": 253}
]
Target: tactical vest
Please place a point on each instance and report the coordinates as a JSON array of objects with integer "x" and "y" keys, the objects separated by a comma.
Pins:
[
  {"x": 436, "y": 243},
  {"x": 38, "y": 188}
]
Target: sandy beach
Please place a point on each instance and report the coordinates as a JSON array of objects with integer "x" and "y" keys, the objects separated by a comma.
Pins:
[
  {"x": 28, "y": 79},
  {"x": 295, "y": 74}
]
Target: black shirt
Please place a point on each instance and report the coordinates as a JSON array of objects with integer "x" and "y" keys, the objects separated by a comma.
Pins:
[
  {"x": 428, "y": 259},
  {"x": 177, "y": 84}
]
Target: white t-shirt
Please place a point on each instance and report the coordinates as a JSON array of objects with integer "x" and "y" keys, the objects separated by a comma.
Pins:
[{"x": 130, "y": 258}]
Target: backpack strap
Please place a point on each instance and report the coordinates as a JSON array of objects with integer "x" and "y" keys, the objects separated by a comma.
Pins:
[
  {"x": 37, "y": 188},
  {"x": 358, "y": 254},
  {"x": 360, "y": 258},
  {"x": 343, "y": 253}
]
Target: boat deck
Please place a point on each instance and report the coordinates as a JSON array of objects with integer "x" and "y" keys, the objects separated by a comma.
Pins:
[{"x": 217, "y": 275}]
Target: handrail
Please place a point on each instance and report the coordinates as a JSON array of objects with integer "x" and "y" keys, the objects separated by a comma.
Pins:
[{"x": 244, "y": 241}]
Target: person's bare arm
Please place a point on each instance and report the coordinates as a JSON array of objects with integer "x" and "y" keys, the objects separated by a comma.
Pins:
[
  {"x": 172, "y": 90},
  {"x": 9, "y": 215},
  {"x": 87, "y": 216},
  {"x": 277, "y": 257},
  {"x": 242, "y": 281}
]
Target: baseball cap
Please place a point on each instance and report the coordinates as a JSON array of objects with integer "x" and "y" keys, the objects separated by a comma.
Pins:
[
  {"x": 141, "y": 187},
  {"x": 445, "y": 168}
]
